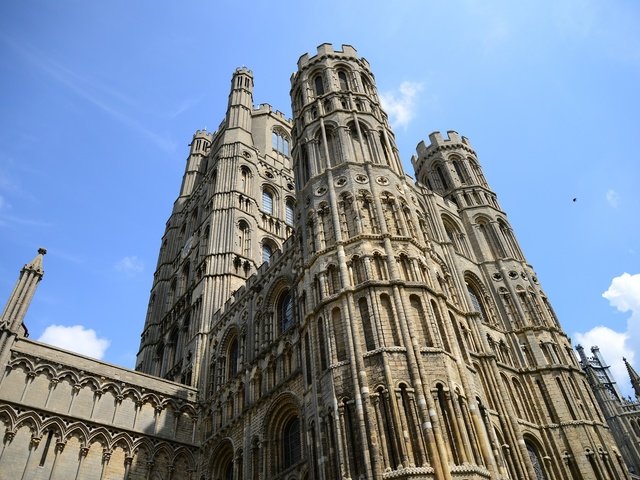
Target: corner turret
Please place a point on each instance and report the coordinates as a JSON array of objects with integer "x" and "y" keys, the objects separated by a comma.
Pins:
[
  {"x": 196, "y": 164},
  {"x": 240, "y": 100}
]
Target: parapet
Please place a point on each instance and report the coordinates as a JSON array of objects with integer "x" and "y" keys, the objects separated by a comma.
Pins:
[
  {"x": 436, "y": 143},
  {"x": 326, "y": 49},
  {"x": 244, "y": 70},
  {"x": 265, "y": 108},
  {"x": 203, "y": 134}
]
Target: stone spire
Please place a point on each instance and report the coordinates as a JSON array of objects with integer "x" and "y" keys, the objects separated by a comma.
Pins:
[
  {"x": 11, "y": 325},
  {"x": 23, "y": 292},
  {"x": 635, "y": 378}
]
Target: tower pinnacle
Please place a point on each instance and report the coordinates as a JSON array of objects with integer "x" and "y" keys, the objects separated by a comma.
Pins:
[
  {"x": 16, "y": 308},
  {"x": 23, "y": 292},
  {"x": 635, "y": 378}
]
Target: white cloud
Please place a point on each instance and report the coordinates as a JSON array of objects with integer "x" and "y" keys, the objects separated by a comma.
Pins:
[
  {"x": 613, "y": 198},
  {"x": 129, "y": 265},
  {"x": 624, "y": 295},
  {"x": 400, "y": 105},
  {"x": 77, "y": 339}
]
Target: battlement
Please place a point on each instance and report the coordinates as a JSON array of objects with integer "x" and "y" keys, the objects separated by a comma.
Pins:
[
  {"x": 243, "y": 70},
  {"x": 326, "y": 49},
  {"x": 265, "y": 108},
  {"x": 203, "y": 134},
  {"x": 438, "y": 142}
]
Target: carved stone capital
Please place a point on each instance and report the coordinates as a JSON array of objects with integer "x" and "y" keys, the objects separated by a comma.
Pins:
[
  {"x": 106, "y": 455},
  {"x": 8, "y": 436}
]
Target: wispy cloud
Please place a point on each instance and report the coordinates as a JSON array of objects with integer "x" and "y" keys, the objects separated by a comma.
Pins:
[
  {"x": 25, "y": 222},
  {"x": 613, "y": 198},
  {"x": 185, "y": 105},
  {"x": 129, "y": 265},
  {"x": 76, "y": 338},
  {"x": 97, "y": 93},
  {"x": 8, "y": 216},
  {"x": 624, "y": 295},
  {"x": 401, "y": 104},
  {"x": 575, "y": 18},
  {"x": 9, "y": 185}
]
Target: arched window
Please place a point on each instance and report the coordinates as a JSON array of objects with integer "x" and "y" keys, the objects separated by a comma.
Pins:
[
  {"x": 291, "y": 442},
  {"x": 358, "y": 270},
  {"x": 367, "y": 213},
  {"x": 442, "y": 177},
  {"x": 420, "y": 318},
  {"x": 366, "y": 84},
  {"x": 389, "y": 316},
  {"x": 244, "y": 238},
  {"x": 490, "y": 238},
  {"x": 461, "y": 171},
  {"x": 333, "y": 280},
  {"x": 476, "y": 303},
  {"x": 159, "y": 357},
  {"x": 477, "y": 172},
  {"x": 172, "y": 292},
  {"x": 223, "y": 461},
  {"x": 338, "y": 334},
  {"x": 172, "y": 348},
  {"x": 361, "y": 142},
  {"x": 456, "y": 237},
  {"x": 344, "y": 82},
  {"x": 349, "y": 216},
  {"x": 267, "y": 251},
  {"x": 318, "y": 84},
  {"x": 245, "y": 173},
  {"x": 288, "y": 211},
  {"x": 232, "y": 359},
  {"x": 280, "y": 142},
  {"x": 441, "y": 328},
  {"x": 214, "y": 181},
  {"x": 285, "y": 311},
  {"x": 379, "y": 267},
  {"x": 510, "y": 240},
  {"x": 184, "y": 278},
  {"x": 326, "y": 223},
  {"x": 322, "y": 350},
  {"x": 367, "y": 327},
  {"x": 333, "y": 147},
  {"x": 534, "y": 456},
  {"x": 267, "y": 201}
]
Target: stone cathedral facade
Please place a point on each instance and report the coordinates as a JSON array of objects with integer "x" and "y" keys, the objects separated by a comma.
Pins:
[{"x": 316, "y": 313}]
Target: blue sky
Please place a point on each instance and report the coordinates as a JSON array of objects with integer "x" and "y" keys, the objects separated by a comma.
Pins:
[{"x": 99, "y": 100}]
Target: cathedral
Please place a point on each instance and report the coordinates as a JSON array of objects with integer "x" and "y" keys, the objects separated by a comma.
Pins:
[
  {"x": 622, "y": 414},
  {"x": 317, "y": 313}
]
